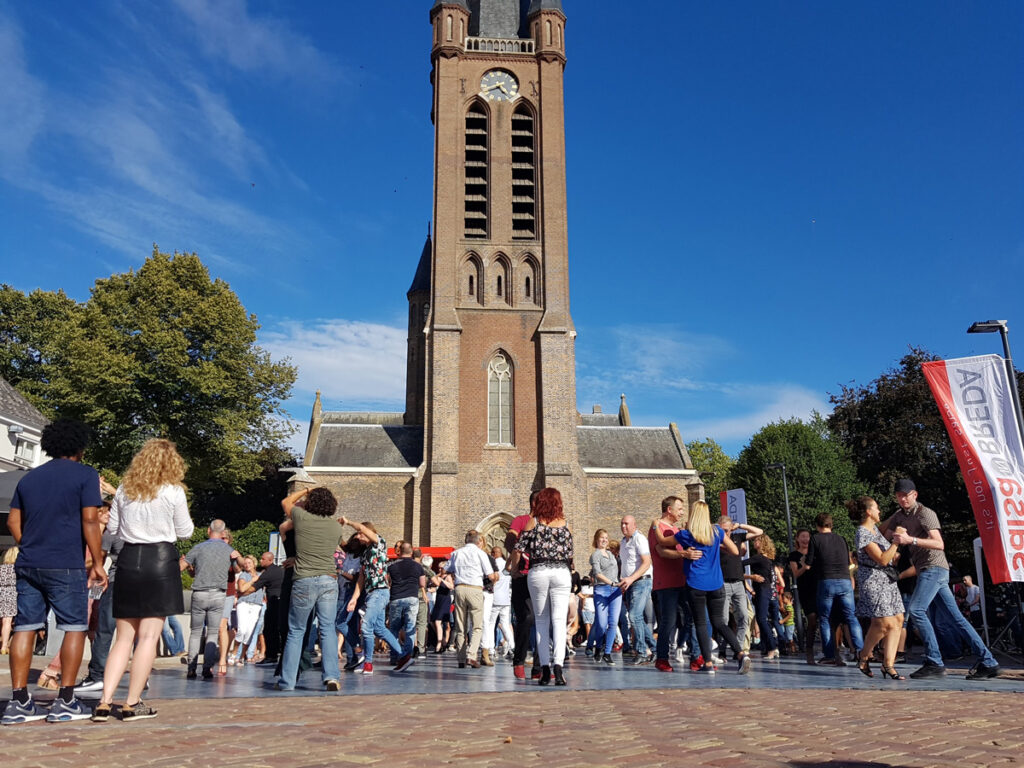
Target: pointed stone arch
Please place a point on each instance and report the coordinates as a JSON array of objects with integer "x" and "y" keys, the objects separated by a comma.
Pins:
[{"x": 471, "y": 280}]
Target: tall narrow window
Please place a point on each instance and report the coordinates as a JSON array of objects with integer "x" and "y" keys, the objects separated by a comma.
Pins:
[
  {"x": 527, "y": 286},
  {"x": 524, "y": 175},
  {"x": 476, "y": 172},
  {"x": 499, "y": 401},
  {"x": 472, "y": 287},
  {"x": 500, "y": 291}
]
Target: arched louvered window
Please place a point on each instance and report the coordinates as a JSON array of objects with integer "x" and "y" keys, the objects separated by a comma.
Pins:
[
  {"x": 499, "y": 400},
  {"x": 477, "y": 172},
  {"x": 524, "y": 175}
]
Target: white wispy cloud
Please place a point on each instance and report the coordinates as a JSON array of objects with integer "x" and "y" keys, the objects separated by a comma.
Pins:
[
  {"x": 755, "y": 406},
  {"x": 21, "y": 99},
  {"x": 349, "y": 361},
  {"x": 226, "y": 29}
]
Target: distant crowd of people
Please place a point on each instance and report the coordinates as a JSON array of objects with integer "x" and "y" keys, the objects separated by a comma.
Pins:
[{"x": 686, "y": 591}]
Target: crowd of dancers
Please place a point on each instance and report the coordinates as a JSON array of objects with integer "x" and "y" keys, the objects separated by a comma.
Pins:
[{"x": 686, "y": 591}]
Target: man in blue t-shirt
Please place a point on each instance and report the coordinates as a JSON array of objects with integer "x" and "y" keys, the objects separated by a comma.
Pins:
[{"x": 54, "y": 517}]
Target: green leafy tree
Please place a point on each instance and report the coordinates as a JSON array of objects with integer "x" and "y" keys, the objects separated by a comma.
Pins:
[
  {"x": 819, "y": 474},
  {"x": 161, "y": 351},
  {"x": 709, "y": 459},
  {"x": 893, "y": 428},
  {"x": 253, "y": 539}
]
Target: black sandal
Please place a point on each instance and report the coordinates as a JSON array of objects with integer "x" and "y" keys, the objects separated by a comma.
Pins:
[
  {"x": 890, "y": 672},
  {"x": 864, "y": 665}
]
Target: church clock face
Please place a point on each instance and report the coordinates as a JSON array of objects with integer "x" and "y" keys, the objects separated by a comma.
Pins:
[{"x": 499, "y": 85}]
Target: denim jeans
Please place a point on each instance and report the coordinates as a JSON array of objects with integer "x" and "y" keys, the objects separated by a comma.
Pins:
[
  {"x": 636, "y": 601},
  {"x": 830, "y": 590},
  {"x": 762, "y": 601},
  {"x": 402, "y": 616},
  {"x": 172, "y": 635},
  {"x": 317, "y": 594},
  {"x": 65, "y": 591},
  {"x": 373, "y": 623},
  {"x": 933, "y": 584},
  {"x": 105, "y": 626},
  {"x": 607, "y": 606},
  {"x": 550, "y": 589}
]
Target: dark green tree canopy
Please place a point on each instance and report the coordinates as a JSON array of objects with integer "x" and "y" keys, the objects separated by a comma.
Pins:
[
  {"x": 709, "y": 458},
  {"x": 893, "y": 428},
  {"x": 161, "y": 351},
  {"x": 819, "y": 473}
]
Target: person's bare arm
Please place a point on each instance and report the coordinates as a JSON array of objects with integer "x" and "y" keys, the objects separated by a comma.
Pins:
[
  {"x": 14, "y": 524},
  {"x": 932, "y": 541},
  {"x": 729, "y": 545},
  {"x": 292, "y": 499},
  {"x": 882, "y": 558},
  {"x": 371, "y": 536},
  {"x": 93, "y": 533},
  {"x": 356, "y": 592}
]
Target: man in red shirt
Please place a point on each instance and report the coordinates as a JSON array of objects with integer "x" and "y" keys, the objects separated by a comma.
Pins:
[{"x": 669, "y": 581}]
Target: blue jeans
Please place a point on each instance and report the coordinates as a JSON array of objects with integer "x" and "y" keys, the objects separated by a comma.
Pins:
[
  {"x": 933, "y": 584},
  {"x": 402, "y": 615},
  {"x": 636, "y": 601},
  {"x": 373, "y": 623},
  {"x": 762, "y": 612},
  {"x": 173, "y": 637},
  {"x": 347, "y": 622},
  {"x": 775, "y": 617},
  {"x": 105, "y": 626},
  {"x": 607, "y": 606},
  {"x": 319, "y": 594},
  {"x": 65, "y": 591},
  {"x": 830, "y": 590}
]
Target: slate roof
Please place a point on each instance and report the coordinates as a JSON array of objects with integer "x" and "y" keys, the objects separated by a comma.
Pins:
[
  {"x": 386, "y": 418},
  {"x": 13, "y": 405},
  {"x": 368, "y": 445},
  {"x": 421, "y": 282},
  {"x": 607, "y": 447},
  {"x": 600, "y": 419},
  {"x": 439, "y": 3},
  {"x": 536, "y": 6}
]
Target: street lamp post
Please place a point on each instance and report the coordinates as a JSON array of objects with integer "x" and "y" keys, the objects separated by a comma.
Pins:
[
  {"x": 789, "y": 541},
  {"x": 992, "y": 326}
]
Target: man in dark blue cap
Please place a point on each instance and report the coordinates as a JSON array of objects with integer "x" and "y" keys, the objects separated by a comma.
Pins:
[{"x": 918, "y": 527}]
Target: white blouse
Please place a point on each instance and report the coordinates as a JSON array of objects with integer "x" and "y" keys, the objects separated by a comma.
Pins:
[{"x": 164, "y": 518}]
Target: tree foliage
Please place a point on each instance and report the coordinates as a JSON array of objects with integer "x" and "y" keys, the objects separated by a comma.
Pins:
[
  {"x": 819, "y": 474},
  {"x": 893, "y": 428},
  {"x": 708, "y": 457},
  {"x": 161, "y": 351}
]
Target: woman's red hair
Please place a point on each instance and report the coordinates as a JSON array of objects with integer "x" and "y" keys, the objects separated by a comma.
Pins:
[{"x": 547, "y": 506}]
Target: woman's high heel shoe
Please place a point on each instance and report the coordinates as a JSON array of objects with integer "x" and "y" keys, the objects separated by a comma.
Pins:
[
  {"x": 864, "y": 665},
  {"x": 891, "y": 672},
  {"x": 545, "y": 675}
]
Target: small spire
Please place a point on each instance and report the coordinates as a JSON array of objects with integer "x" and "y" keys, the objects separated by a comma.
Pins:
[{"x": 624, "y": 419}]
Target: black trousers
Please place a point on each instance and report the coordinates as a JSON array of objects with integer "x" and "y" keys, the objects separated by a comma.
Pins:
[
  {"x": 703, "y": 604},
  {"x": 522, "y": 610},
  {"x": 272, "y": 627}
]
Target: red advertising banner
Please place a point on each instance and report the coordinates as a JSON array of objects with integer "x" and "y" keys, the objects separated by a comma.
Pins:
[{"x": 976, "y": 402}]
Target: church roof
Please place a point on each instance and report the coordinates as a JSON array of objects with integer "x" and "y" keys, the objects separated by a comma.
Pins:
[
  {"x": 615, "y": 447},
  {"x": 600, "y": 419},
  {"x": 421, "y": 282},
  {"x": 377, "y": 418},
  {"x": 373, "y": 446},
  {"x": 14, "y": 407},
  {"x": 439, "y": 3},
  {"x": 536, "y": 6}
]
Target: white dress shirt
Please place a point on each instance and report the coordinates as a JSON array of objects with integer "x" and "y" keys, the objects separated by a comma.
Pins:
[
  {"x": 163, "y": 518},
  {"x": 469, "y": 565}
]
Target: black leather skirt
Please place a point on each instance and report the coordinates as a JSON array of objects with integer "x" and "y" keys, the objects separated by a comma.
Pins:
[{"x": 147, "y": 582}]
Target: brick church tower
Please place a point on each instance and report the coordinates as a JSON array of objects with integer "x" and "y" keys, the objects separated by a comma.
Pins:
[{"x": 491, "y": 368}]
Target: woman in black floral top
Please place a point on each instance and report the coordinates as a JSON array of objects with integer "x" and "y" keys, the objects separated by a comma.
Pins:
[{"x": 547, "y": 541}]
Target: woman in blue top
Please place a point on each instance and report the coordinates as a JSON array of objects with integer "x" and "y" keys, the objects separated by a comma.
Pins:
[{"x": 705, "y": 587}]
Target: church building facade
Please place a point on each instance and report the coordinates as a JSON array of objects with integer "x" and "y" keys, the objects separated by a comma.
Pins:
[{"x": 491, "y": 374}]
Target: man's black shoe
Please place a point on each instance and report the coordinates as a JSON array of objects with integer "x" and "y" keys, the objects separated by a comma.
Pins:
[
  {"x": 983, "y": 672},
  {"x": 929, "y": 670},
  {"x": 355, "y": 663}
]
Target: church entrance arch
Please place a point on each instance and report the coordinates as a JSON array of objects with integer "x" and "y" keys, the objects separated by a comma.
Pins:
[{"x": 494, "y": 528}]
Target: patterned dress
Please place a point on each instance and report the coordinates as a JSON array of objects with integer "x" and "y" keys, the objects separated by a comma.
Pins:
[
  {"x": 877, "y": 596},
  {"x": 8, "y": 591}
]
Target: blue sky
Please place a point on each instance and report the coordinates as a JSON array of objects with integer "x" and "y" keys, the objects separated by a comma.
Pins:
[{"x": 767, "y": 199}]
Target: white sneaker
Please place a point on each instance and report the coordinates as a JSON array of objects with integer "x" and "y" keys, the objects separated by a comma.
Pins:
[
  {"x": 716, "y": 659},
  {"x": 682, "y": 657}
]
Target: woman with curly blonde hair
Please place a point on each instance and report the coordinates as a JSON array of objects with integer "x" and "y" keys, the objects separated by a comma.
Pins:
[
  {"x": 762, "y": 574},
  {"x": 149, "y": 513}
]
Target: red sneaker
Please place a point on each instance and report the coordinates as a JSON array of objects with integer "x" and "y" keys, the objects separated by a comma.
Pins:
[
  {"x": 519, "y": 671},
  {"x": 535, "y": 673},
  {"x": 697, "y": 664},
  {"x": 617, "y": 647},
  {"x": 367, "y": 668},
  {"x": 662, "y": 665}
]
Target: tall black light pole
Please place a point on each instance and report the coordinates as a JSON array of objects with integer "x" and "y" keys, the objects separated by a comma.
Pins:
[
  {"x": 789, "y": 541},
  {"x": 992, "y": 326}
]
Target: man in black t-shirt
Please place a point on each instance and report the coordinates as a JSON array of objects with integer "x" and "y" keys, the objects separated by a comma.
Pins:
[
  {"x": 829, "y": 557},
  {"x": 269, "y": 579},
  {"x": 732, "y": 573},
  {"x": 407, "y": 580}
]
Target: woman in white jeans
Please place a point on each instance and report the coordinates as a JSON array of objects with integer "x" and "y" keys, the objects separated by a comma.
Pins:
[
  {"x": 248, "y": 610},
  {"x": 547, "y": 542}
]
